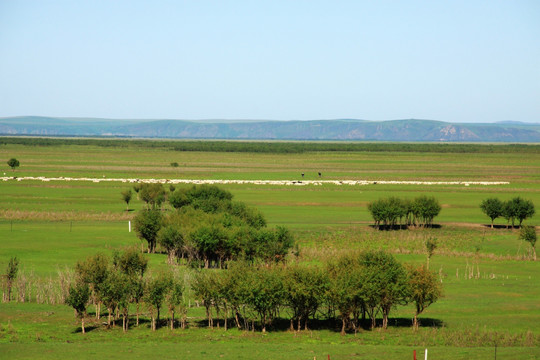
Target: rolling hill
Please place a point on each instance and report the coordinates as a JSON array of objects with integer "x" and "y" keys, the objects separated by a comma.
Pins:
[{"x": 341, "y": 129}]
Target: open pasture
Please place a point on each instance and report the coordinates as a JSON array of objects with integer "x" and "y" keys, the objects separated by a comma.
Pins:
[{"x": 491, "y": 289}]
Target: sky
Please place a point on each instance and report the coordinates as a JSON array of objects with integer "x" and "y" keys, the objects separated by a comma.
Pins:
[{"x": 455, "y": 61}]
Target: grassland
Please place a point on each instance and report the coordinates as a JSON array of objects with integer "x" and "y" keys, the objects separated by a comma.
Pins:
[{"x": 491, "y": 288}]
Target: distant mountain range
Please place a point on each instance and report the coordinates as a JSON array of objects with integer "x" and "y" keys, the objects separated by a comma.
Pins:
[{"x": 340, "y": 129}]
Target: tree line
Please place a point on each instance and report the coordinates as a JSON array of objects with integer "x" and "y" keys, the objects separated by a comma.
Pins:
[
  {"x": 394, "y": 212},
  {"x": 207, "y": 228},
  {"x": 352, "y": 291},
  {"x": 277, "y": 147}
]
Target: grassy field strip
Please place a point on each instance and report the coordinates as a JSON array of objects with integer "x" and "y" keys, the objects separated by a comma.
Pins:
[{"x": 260, "y": 182}]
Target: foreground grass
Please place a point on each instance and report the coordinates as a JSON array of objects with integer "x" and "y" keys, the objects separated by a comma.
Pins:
[
  {"x": 46, "y": 331},
  {"x": 245, "y": 350}
]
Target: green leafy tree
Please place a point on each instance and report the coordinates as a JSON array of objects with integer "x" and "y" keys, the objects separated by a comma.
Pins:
[
  {"x": 377, "y": 210},
  {"x": 431, "y": 245},
  {"x": 172, "y": 240},
  {"x": 208, "y": 198},
  {"x": 250, "y": 216},
  {"x": 305, "y": 289},
  {"x": 525, "y": 209},
  {"x": 126, "y": 299},
  {"x": 137, "y": 188},
  {"x": 126, "y": 196},
  {"x": 389, "y": 211},
  {"x": 509, "y": 213},
  {"x": 13, "y": 163},
  {"x": 147, "y": 224},
  {"x": 179, "y": 198},
  {"x": 425, "y": 209},
  {"x": 267, "y": 294},
  {"x": 493, "y": 208},
  {"x": 345, "y": 291},
  {"x": 528, "y": 234},
  {"x": 78, "y": 299},
  {"x": 152, "y": 194},
  {"x": 425, "y": 289},
  {"x": 273, "y": 245},
  {"x": 114, "y": 293},
  {"x": 174, "y": 298},
  {"x": 11, "y": 275},
  {"x": 138, "y": 293},
  {"x": 235, "y": 289},
  {"x": 206, "y": 288},
  {"x": 157, "y": 290},
  {"x": 130, "y": 262},
  {"x": 93, "y": 271},
  {"x": 518, "y": 209},
  {"x": 384, "y": 283}
]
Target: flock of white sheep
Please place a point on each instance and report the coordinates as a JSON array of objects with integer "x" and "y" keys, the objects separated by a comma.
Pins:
[{"x": 258, "y": 182}]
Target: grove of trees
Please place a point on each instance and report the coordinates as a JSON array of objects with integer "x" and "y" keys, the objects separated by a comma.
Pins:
[
  {"x": 394, "y": 212},
  {"x": 207, "y": 228},
  {"x": 238, "y": 270},
  {"x": 352, "y": 291},
  {"x": 121, "y": 283},
  {"x": 515, "y": 209}
]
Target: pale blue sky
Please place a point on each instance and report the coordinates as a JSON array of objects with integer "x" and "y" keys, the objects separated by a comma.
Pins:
[{"x": 457, "y": 61}]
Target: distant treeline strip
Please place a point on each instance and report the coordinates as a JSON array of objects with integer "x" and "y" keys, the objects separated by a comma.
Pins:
[{"x": 278, "y": 147}]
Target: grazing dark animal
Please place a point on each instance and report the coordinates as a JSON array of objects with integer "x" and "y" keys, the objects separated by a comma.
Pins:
[
  {"x": 302, "y": 174},
  {"x": 320, "y": 174}
]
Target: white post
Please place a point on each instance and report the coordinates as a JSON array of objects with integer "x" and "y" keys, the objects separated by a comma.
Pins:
[
  {"x": 129, "y": 222},
  {"x": 425, "y": 358}
]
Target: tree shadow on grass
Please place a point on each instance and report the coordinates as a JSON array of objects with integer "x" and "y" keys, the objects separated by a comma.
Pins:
[
  {"x": 284, "y": 324},
  {"x": 404, "y": 227},
  {"x": 501, "y": 227},
  {"x": 86, "y": 329},
  {"x": 408, "y": 322}
]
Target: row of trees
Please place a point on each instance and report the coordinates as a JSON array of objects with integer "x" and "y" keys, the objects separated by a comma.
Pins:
[
  {"x": 278, "y": 147},
  {"x": 352, "y": 289},
  {"x": 393, "y": 211},
  {"x": 121, "y": 284},
  {"x": 516, "y": 209},
  {"x": 207, "y": 227}
]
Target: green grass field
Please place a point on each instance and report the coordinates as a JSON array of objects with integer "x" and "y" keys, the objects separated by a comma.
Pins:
[{"x": 491, "y": 288}]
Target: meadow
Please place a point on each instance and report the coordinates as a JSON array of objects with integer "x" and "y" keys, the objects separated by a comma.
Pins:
[{"x": 491, "y": 287}]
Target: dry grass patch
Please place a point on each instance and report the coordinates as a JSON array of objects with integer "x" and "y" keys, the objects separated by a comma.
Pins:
[{"x": 10, "y": 214}]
